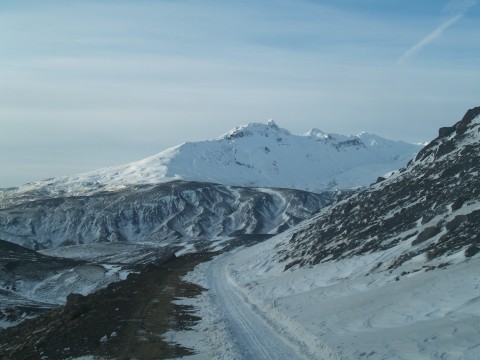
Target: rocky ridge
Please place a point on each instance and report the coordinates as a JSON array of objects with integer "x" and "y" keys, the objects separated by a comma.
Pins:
[
  {"x": 253, "y": 155},
  {"x": 426, "y": 216},
  {"x": 177, "y": 213}
]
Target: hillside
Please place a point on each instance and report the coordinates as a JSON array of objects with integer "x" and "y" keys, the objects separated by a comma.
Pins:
[
  {"x": 190, "y": 215},
  {"x": 431, "y": 209}
]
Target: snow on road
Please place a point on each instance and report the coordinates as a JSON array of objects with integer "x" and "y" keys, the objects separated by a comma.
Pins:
[
  {"x": 254, "y": 338},
  {"x": 235, "y": 326}
]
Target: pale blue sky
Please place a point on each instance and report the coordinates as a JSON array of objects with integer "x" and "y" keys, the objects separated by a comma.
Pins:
[{"x": 87, "y": 84}]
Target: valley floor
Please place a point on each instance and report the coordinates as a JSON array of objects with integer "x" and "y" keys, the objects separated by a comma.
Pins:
[{"x": 254, "y": 310}]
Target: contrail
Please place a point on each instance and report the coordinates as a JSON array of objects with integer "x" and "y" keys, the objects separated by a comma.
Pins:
[
  {"x": 429, "y": 38},
  {"x": 460, "y": 7}
]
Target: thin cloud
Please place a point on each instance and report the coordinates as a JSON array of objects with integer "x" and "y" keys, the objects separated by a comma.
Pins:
[{"x": 458, "y": 8}]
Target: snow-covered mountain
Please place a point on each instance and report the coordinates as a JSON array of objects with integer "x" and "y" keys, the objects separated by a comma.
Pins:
[
  {"x": 254, "y": 155},
  {"x": 390, "y": 272}
]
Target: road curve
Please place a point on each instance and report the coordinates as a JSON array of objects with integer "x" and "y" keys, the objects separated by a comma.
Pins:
[{"x": 254, "y": 338}]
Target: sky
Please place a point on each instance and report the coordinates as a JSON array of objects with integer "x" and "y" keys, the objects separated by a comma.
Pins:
[{"x": 88, "y": 84}]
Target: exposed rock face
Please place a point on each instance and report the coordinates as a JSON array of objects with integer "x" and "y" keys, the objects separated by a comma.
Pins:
[
  {"x": 177, "y": 211},
  {"x": 450, "y": 138},
  {"x": 429, "y": 209}
]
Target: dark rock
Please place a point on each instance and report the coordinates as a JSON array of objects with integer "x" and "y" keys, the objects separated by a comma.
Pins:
[
  {"x": 76, "y": 305},
  {"x": 445, "y": 131},
  {"x": 445, "y": 148},
  {"x": 469, "y": 116},
  {"x": 471, "y": 251},
  {"x": 456, "y": 222},
  {"x": 474, "y": 217},
  {"x": 458, "y": 203}
]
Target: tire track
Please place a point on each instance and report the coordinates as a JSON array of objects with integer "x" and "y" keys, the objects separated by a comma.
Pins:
[{"x": 254, "y": 338}]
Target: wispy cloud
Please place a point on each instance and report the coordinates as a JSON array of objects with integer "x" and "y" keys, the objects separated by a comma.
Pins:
[{"x": 457, "y": 9}]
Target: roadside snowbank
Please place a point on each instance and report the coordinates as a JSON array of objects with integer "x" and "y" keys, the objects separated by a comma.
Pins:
[{"x": 343, "y": 310}]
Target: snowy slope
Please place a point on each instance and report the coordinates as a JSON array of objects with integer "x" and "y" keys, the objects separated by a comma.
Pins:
[
  {"x": 254, "y": 155},
  {"x": 430, "y": 209},
  {"x": 391, "y": 272}
]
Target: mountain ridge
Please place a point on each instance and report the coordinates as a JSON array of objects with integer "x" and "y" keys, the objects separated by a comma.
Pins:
[{"x": 253, "y": 155}]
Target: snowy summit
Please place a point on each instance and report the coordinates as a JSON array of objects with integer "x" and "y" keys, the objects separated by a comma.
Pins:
[{"x": 256, "y": 155}]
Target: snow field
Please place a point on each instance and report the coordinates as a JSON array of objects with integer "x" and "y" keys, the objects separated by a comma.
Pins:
[{"x": 424, "y": 315}]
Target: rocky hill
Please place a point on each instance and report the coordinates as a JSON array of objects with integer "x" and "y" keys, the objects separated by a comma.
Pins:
[
  {"x": 427, "y": 215},
  {"x": 185, "y": 214}
]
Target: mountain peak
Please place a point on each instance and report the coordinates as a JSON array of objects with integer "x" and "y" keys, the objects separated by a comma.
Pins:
[
  {"x": 272, "y": 123},
  {"x": 261, "y": 129},
  {"x": 317, "y": 133}
]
